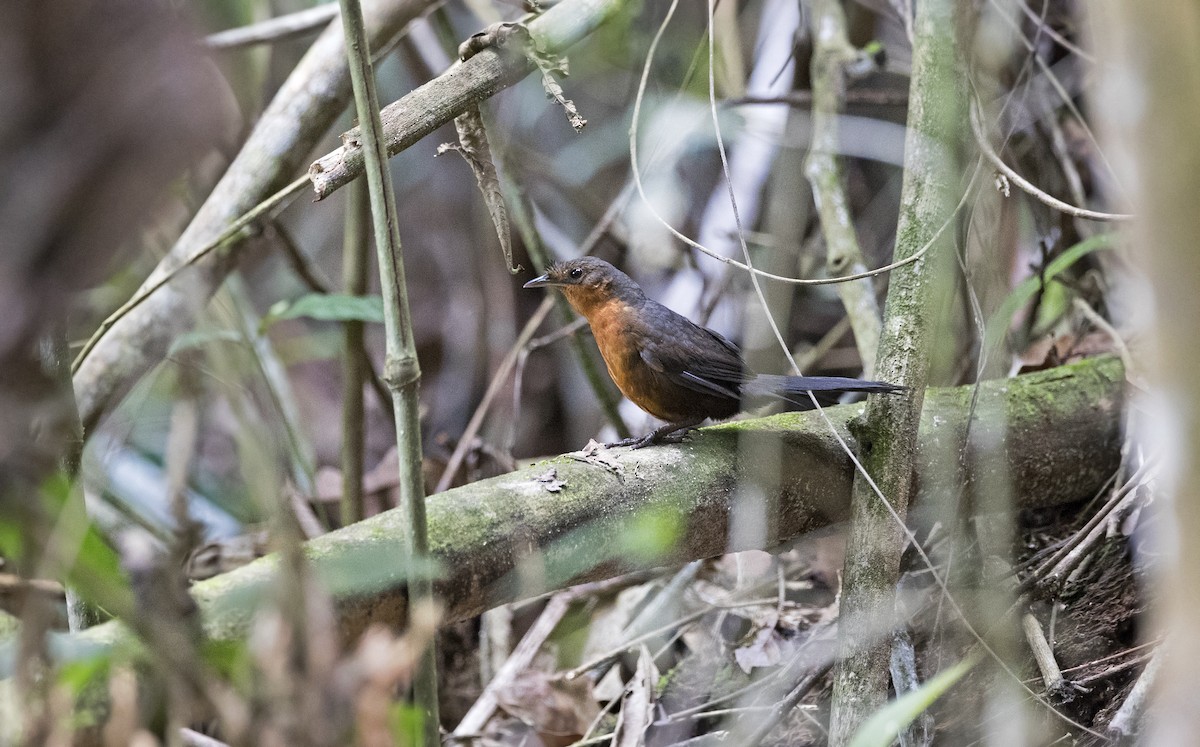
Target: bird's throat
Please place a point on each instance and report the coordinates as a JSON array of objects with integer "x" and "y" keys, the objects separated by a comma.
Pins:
[{"x": 589, "y": 302}]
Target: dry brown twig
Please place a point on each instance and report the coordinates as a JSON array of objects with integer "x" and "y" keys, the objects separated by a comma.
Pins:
[{"x": 1053, "y": 572}]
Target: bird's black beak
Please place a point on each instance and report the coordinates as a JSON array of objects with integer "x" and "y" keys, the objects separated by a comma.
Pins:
[{"x": 540, "y": 282}]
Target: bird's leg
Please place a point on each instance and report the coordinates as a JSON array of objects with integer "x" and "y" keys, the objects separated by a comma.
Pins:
[{"x": 671, "y": 433}]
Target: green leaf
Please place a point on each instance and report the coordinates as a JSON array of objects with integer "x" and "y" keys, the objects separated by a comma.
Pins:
[
  {"x": 882, "y": 728},
  {"x": 1051, "y": 307},
  {"x": 1001, "y": 320},
  {"x": 231, "y": 659},
  {"x": 327, "y": 307},
  {"x": 95, "y": 569},
  {"x": 407, "y": 724},
  {"x": 12, "y": 539},
  {"x": 873, "y": 48},
  {"x": 81, "y": 673}
]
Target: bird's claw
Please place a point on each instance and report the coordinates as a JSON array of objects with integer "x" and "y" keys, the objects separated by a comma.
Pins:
[
  {"x": 650, "y": 439},
  {"x": 633, "y": 443}
]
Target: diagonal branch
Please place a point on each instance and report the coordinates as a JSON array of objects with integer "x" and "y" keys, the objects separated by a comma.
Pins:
[
  {"x": 297, "y": 117},
  {"x": 303, "y": 109},
  {"x": 461, "y": 87}
]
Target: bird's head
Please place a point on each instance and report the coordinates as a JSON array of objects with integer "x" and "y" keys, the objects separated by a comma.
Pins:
[{"x": 588, "y": 283}]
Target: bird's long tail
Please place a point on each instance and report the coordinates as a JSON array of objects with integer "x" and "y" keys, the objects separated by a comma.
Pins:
[{"x": 826, "y": 389}]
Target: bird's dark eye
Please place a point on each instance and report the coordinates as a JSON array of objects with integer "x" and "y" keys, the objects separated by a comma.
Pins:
[{"x": 575, "y": 274}]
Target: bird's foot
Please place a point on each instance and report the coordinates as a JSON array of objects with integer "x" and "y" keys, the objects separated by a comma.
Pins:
[
  {"x": 668, "y": 434},
  {"x": 633, "y": 443},
  {"x": 675, "y": 437}
]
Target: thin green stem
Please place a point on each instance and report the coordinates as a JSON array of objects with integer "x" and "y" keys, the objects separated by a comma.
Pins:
[
  {"x": 57, "y": 358},
  {"x": 354, "y": 281},
  {"x": 402, "y": 371}
]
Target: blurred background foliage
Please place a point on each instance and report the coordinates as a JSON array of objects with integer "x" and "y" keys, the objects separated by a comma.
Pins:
[{"x": 231, "y": 446}]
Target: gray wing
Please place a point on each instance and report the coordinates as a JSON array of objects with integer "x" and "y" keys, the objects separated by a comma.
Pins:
[{"x": 697, "y": 359}]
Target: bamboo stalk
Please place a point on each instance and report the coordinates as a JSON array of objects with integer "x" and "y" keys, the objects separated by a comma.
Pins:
[
  {"x": 354, "y": 281},
  {"x": 402, "y": 371}
]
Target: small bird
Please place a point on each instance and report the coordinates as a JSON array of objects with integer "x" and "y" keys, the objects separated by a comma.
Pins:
[{"x": 670, "y": 367}]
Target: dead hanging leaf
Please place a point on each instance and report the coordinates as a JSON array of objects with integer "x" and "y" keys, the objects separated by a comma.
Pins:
[
  {"x": 473, "y": 147},
  {"x": 556, "y": 92},
  {"x": 472, "y": 135},
  {"x": 549, "y": 64}
]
